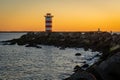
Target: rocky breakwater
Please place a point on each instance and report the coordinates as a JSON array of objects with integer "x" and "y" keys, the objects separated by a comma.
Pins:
[
  {"x": 97, "y": 41},
  {"x": 104, "y": 42}
]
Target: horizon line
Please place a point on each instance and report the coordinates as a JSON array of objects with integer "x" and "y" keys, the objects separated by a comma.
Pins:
[{"x": 52, "y": 31}]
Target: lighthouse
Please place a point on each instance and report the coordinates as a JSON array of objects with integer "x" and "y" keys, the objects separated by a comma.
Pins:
[{"x": 48, "y": 22}]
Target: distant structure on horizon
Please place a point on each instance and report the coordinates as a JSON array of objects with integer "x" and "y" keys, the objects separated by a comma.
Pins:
[
  {"x": 99, "y": 30},
  {"x": 48, "y": 22}
]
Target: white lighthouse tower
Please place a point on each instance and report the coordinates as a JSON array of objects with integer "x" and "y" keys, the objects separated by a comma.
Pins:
[{"x": 48, "y": 22}]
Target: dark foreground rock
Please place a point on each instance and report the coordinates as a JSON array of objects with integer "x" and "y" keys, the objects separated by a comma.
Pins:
[
  {"x": 85, "y": 66},
  {"x": 78, "y": 54},
  {"x": 110, "y": 68},
  {"x": 78, "y": 68},
  {"x": 106, "y": 70},
  {"x": 81, "y": 76}
]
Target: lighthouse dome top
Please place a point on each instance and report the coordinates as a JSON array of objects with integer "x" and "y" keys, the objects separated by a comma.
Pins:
[{"x": 48, "y": 15}]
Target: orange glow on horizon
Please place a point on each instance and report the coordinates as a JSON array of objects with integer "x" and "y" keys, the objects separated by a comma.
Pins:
[{"x": 69, "y": 15}]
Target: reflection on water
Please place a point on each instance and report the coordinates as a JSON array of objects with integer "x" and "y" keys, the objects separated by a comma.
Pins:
[{"x": 21, "y": 63}]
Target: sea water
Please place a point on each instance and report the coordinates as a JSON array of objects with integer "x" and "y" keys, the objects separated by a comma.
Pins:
[{"x": 47, "y": 63}]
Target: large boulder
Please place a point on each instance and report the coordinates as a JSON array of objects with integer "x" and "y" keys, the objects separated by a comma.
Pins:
[
  {"x": 111, "y": 67},
  {"x": 78, "y": 54},
  {"x": 81, "y": 76},
  {"x": 108, "y": 69}
]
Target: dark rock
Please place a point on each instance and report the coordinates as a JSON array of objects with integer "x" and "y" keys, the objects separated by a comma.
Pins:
[
  {"x": 38, "y": 46},
  {"x": 5, "y": 43},
  {"x": 78, "y": 54},
  {"x": 107, "y": 69},
  {"x": 85, "y": 66},
  {"x": 12, "y": 43},
  {"x": 30, "y": 45},
  {"x": 111, "y": 67},
  {"x": 96, "y": 72},
  {"x": 78, "y": 68},
  {"x": 86, "y": 48},
  {"x": 81, "y": 76}
]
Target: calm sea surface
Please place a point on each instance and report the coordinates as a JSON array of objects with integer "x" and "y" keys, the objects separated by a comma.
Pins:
[{"x": 47, "y": 63}]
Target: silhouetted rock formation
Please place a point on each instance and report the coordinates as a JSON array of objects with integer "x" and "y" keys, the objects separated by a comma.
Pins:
[
  {"x": 107, "y": 69},
  {"x": 98, "y": 41},
  {"x": 77, "y": 54},
  {"x": 83, "y": 75}
]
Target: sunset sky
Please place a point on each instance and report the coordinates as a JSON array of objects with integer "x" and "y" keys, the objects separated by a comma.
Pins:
[{"x": 69, "y": 15}]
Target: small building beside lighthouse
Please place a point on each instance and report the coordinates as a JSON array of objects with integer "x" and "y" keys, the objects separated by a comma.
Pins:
[{"x": 48, "y": 22}]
